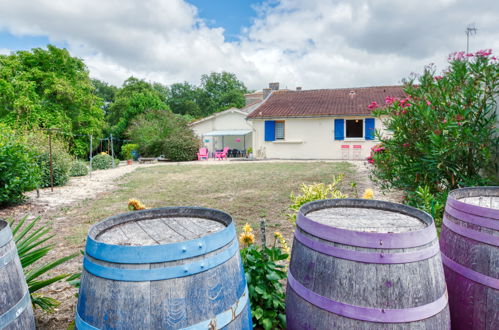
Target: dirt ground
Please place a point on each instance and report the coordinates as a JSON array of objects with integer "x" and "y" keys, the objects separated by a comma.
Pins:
[{"x": 62, "y": 209}]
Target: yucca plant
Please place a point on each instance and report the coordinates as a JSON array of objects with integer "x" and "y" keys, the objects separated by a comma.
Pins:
[{"x": 30, "y": 247}]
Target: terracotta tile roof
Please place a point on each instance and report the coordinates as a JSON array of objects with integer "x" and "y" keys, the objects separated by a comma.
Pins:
[{"x": 324, "y": 102}]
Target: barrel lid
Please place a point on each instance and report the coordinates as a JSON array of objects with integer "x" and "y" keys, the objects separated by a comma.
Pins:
[
  {"x": 481, "y": 201},
  {"x": 5, "y": 233},
  {"x": 160, "y": 235},
  {"x": 367, "y": 223}
]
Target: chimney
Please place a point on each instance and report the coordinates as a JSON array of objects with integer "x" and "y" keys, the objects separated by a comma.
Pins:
[
  {"x": 266, "y": 92},
  {"x": 274, "y": 86},
  {"x": 298, "y": 89}
]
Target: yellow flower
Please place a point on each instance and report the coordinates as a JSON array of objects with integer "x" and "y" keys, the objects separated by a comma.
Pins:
[
  {"x": 103, "y": 153},
  {"x": 282, "y": 242},
  {"x": 368, "y": 194},
  {"x": 247, "y": 228},
  {"x": 246, "y": 238},
  {"x": 134, "y": 205}
]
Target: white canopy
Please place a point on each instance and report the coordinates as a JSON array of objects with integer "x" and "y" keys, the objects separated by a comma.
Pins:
[{"x": 233, "y": 132}]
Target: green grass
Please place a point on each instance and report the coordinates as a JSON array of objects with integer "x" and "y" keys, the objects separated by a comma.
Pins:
[{"x": 247, "y": 191}]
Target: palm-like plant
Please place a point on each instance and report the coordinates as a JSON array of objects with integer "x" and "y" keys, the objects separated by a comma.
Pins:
[{"x": 31, "y": 248}]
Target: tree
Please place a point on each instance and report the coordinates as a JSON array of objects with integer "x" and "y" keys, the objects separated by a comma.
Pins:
[
  {"x": 134, "y": 98},
  {"x": 183, "y": 99},
  {"x": 105, "y": 91},
  {"x": 49, "y": 88},
  {"x": 221, "y": 91},
  {"x": 161, "y": 132}
]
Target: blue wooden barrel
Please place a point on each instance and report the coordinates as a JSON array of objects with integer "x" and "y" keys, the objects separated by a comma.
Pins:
[
  {"x": 164, "y": 268},
  {"x": 16, "y": 312}
]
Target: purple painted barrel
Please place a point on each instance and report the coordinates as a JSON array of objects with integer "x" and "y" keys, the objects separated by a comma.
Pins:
[
  {"x": 365, "y": 264},
  {"x": 470, "y": 252}
]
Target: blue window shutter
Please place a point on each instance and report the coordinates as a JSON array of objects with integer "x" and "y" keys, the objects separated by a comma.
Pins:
[
  {"x": 369, "y": 127},
  {"x": 270, "y": 130},
  {"x": 339, "y": 129}
]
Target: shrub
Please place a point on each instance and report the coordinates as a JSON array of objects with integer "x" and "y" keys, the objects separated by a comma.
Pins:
[
  {"x": 78, "y": 168},
  {"x": 102, "y": 162},
  {"x": 160, "y": 132},
  {"x": 127, "y": 149},
  {"x": 315, "y": 192},
  {"x": 264, "y": 275},
  {"x": 61, "y": 163},
  {"x": 433, "y": 204},
  {"x": 444, "y": 131},
  {"x": 19, "y": 171},
  {"x": 30, "y": 249}
]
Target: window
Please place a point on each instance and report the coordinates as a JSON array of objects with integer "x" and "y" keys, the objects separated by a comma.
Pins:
[
  {"x": 354, "y": 128},
  {"x": 279, "y": 130}
]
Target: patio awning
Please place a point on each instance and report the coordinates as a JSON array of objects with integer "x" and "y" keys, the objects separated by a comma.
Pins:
[{"x": 232, "y": 132}]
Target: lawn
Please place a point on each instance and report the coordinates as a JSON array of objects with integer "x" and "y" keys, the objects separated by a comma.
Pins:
[{"x": 248, "y": 192}]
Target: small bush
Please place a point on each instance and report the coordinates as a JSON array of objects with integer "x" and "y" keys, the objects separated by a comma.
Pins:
[
  {"x": 433, "y": 204},
  {"x": 264, "y": 273},
  {"x": 102, "y": 162},
  {"x": 19, "y": 171},
  {"x": 127, "y": 150},
  {"x": 61, "y": 163},
  {"x": 78, "y": 168}
]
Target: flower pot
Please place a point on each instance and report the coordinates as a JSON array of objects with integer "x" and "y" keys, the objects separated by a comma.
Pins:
[{"x": 129, "y": 162}]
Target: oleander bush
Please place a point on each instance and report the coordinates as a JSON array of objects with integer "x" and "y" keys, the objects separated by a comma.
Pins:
[
  {"x": 78, "y": 168},
  {"x": 18, "y": 168},
  {"x": 102, "y": 162},
  {"x": 443, "y": 133}
]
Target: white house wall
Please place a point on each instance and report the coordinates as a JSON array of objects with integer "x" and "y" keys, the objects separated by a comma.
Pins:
[
  {"x": 228, "y": 120},
  {"x": 308, "y": 138}
]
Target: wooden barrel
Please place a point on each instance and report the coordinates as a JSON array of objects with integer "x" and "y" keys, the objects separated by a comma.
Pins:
[
  {"x": 470, "y": 252},
  {"x": 164, "y": 268},
  {"x": 365, "y": 264},
  {"x": 16, "y": 311}
]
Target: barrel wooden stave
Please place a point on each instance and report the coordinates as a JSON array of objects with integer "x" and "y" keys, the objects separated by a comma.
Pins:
[
  {"x": 473, "y": 305},
  {"x": 168, "y": 304},
  {"x": 13, "y": 287},
  {"x": 372, "y": 285}
]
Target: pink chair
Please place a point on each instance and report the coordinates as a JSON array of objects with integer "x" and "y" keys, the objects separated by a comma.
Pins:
[
  {"x": 222, "y": 154},
  {"x": 357, "y": 151},
  {"x": 203, "y": 153},
  {"x": 345, "y": 151}
]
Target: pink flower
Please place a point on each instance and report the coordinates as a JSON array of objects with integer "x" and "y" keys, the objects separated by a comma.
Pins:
[
  {"x": 484, "y": 52},
  {"x": 469, "y": 55},
  {"x": 444, "y": 121},
  {"x": 405, "y": 103},
  {"x": 373, "y": 105},
  {"x": 459, "y": 117},
  {"x": 438, "y": 77},
  {"x": 405, "y": 145},
  {"x": 493, "y": 58},
  {"x": 459, "y": 124},
  {"x": 428, "y": 103},
  {"x": 404, "y": 112},
  {"x": 389, "y": 99}
]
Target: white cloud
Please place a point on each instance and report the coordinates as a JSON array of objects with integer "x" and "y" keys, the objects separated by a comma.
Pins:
[
  {"x": 5, "y": 51},
  {"x": 314, "y": 43}
]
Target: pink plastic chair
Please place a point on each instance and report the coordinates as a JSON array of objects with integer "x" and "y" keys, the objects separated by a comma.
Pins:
[
  {"x": 222, "y": 154},
  {"x": 203, "y": 153},
  {"x": 357, "y": 151},
  {"x": 345, "y": 151}
]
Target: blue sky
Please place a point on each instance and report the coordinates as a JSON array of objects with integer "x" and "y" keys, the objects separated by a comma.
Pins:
[
  {"x": 232, "y": 15},
  {"x": 308, "y": 43}
]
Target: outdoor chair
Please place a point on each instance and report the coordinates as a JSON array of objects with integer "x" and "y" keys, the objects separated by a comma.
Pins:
[
  {"x": 345, "y": 151},
  {"x": 203, "y": 153},
  {"x": 222, "y": 154},
  {"x": 357, "y": 151}
]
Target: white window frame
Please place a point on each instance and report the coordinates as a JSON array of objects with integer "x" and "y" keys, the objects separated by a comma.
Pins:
[
  {"x": 283, "y": 130},
  {"x": 354, "y": 138}
]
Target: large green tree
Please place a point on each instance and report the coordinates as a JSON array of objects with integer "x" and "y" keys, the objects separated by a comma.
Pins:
[
  {"x": 220, "y": 91},
  {"x": 135, "y": 97},
  {"x": 45, "y": 88},
  {"x": 105, "y": 91},
  {"x": 183, "y": 99}
]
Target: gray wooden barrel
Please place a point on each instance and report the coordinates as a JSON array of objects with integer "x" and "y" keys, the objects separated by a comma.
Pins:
[
  {"x": 470, "y": 252},
  {"x": 165, "y": 268},
  {"x": 16, "y": 311},
  {"x": 365, "y": 264}
]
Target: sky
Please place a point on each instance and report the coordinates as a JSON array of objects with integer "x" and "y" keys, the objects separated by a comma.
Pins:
[{"x": 312, "y": 44}]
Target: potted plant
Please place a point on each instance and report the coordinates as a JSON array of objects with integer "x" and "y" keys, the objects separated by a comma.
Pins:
[
  {"x": 127, "y": 152},
  {"x": 249, "y": 153}
]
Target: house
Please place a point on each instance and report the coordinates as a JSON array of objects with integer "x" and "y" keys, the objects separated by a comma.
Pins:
[
  {"x": 227, "y": 128},
  {"x": 317, "y": 124}
]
